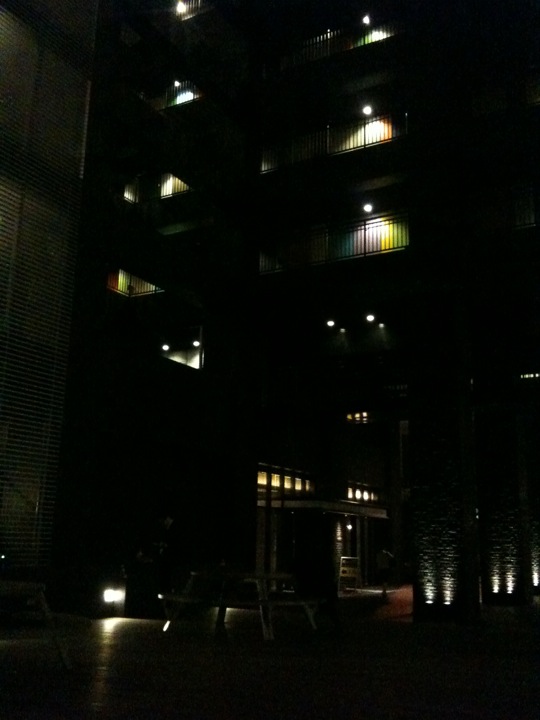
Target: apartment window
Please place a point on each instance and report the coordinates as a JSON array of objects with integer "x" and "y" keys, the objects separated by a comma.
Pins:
[
  {"x": 359, "y": 418},
  {"x": 172, "y": 185},
  {"x": 362, "y": 494},
  {"x": 125, "y": 283},
  {"x": 283, "y": 480}
]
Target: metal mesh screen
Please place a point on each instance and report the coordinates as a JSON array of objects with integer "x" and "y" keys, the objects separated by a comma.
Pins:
[{"x": 43, "y": 91}]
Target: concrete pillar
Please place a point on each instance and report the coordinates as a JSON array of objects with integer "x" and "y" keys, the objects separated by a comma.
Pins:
[
  {"x": 443, "y": 493},
  {"x": 505, "y": 529}
]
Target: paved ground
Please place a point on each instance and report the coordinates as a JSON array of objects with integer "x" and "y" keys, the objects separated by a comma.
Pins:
[{"x": 378, "y": 665}]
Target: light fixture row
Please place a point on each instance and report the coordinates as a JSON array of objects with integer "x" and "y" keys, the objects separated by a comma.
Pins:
[
  {"x": 166, "y": 347},
  {"x": 370, "y": 318}
]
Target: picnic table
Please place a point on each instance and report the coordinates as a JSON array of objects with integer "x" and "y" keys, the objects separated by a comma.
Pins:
[{"x": 233, "y": 590}]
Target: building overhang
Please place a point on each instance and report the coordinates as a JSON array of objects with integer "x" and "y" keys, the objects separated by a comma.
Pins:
[{"x": 340, "y": 507}]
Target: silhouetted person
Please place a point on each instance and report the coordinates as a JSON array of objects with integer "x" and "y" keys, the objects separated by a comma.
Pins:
[{"x": 384, "y": 563}]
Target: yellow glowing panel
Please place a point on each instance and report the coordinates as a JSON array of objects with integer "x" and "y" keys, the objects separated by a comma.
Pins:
[
  {"x": 287, "y": 482},
  {"x": 131, "y": 193},
  {"x": 377, "y": 131},
  {"x": 171, "y": 185},
  {"x": 297, "y": 484},
  {"x": 261, "y": 478},
  {"x": 376, "y": 35},
  {"x": 275, "y": 480},
  {"x": 125, "y": 283}
]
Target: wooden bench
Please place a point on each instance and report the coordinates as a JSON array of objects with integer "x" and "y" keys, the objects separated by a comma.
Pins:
[
  {"x": 31, "y": 596},
  {"x": 226, "y": 592}
]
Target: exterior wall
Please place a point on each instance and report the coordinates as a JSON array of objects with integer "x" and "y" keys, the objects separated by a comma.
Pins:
[{"x": 45, "y": 53}]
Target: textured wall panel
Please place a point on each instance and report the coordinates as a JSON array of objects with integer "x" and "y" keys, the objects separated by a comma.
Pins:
[{"x": 45, "y": 49}]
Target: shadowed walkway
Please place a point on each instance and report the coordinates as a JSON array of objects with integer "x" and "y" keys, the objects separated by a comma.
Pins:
[{"x": 378, "y": 664}]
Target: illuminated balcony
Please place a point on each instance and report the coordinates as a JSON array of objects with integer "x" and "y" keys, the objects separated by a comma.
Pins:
[
  {"x": 186, "y": 9},
  {"x": 180, "y": 92},
  {"x": 326, "y": 245},
  {"x": 333, "y": 42},
  {"x": 125, "y": 283},
  {"x": 332, "y": 140}
]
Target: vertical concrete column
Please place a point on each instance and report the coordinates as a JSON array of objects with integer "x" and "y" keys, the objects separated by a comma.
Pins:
[
  {"x": 443, "y": 494},
  {"x": 505, "y": 531}
]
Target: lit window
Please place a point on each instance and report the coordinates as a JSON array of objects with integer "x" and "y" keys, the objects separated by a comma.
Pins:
[
  {"x": 297, "y": 483},
  {"x": 181, "y": 8},
  {"x": 358, "y": 417}
]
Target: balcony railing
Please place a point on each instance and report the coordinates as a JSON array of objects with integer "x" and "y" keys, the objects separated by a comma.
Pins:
[
  {"x": 186, "y": 9},
  {"x": 179, "y": 93},
  {"x": 125, "y": 283},
  {"x": 172, "y": 185},
  {"x": 327, "y": 245},
  {"x": 333, "y": 140},
  {"x": 333, "y": 42}
]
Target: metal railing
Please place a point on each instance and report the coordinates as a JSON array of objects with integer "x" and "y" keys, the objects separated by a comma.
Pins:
[
  {"x": 130, "y": 285},
  {"x": 186, "y": 9},
  {"x": 325, "y": 245},
  {"x": 179, "y": 93},
  {"x": 333, "y": 42},
  {"x": 332, "y": 140}
]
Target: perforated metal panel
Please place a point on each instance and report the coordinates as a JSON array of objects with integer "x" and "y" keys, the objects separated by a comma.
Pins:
[{"x": 43, "y": 96}]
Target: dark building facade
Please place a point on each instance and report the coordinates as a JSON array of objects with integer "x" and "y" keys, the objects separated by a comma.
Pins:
[
  {"x": 45, "y": 56},
  {"x": 308, "y": 289}
]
